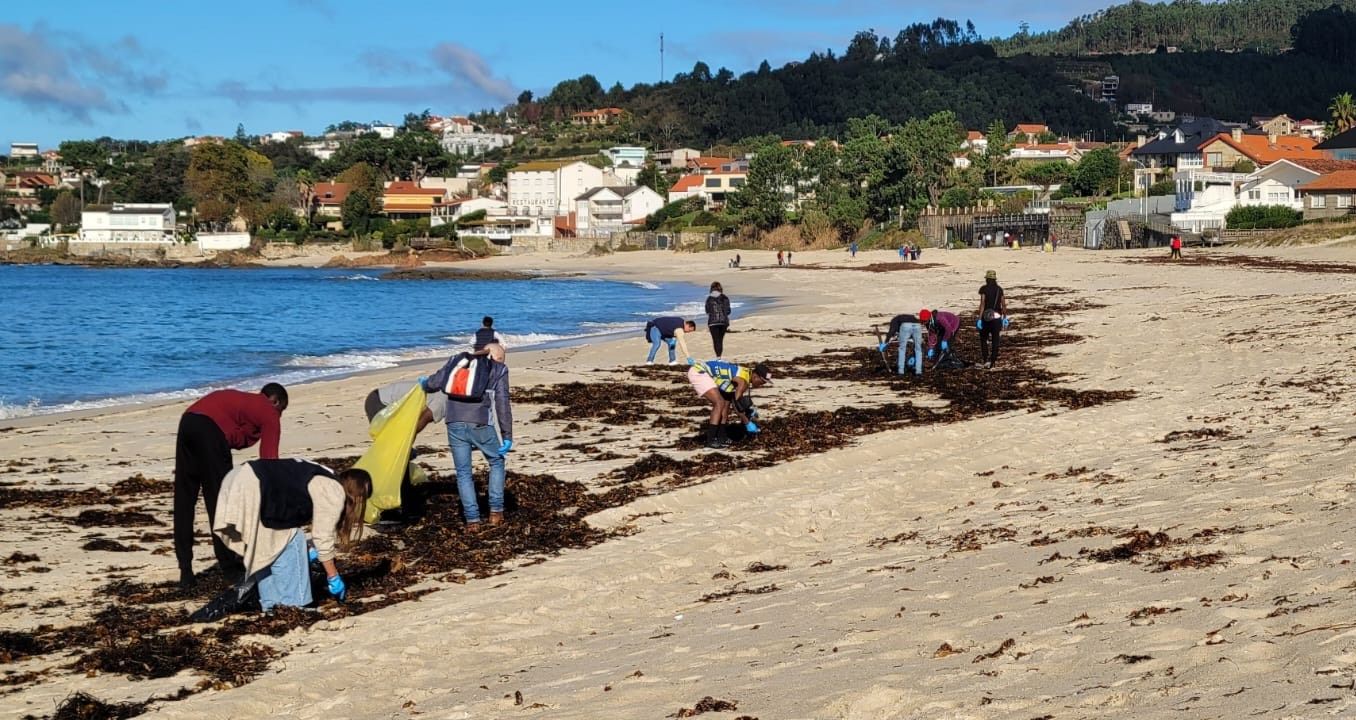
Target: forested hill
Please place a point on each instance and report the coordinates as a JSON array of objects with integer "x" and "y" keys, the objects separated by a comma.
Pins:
[
  {"x": 926, "y": 69},
  {"x": 1190, "y": 25}
]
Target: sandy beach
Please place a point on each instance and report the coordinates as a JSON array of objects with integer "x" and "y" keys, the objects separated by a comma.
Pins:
[{"x": 1143, "y": 512}]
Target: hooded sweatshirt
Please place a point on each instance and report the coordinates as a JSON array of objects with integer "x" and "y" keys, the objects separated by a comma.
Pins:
[
  {"x": 942, "y": 327},
  {"x": 717, "y": 309}
]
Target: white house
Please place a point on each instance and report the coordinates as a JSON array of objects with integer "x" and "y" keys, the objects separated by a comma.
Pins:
[
  {"x": 474, "y": 144},
  {"x": 281, "y": 136},
  {"x": 23, "y": 150},
  {"x": 1205, "y": 198},
  {"x": 1047, "y": 152},
  {"x": 128, "y": 223},
  {"x": 1139, "y": 108},
  {"x": 604, "y": 210},
  {"x": 323, "y": 149},
  {"x": 633, "y": 155},
  {"x": 385, "y": 132},
  {"x": 454, "y": 210},
  {"x": 549, "y": 187},
  {"x": 713, "y": 188}
]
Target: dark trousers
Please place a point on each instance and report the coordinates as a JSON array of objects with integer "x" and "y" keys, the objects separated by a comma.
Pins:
[
  {"x": 1176, "y": 253},
  {"x": 411, "y": 502},
  {"x": 201, "y": 459},
  {"x": 718, "y": 338},
  {"x": 988, "y": 340}
]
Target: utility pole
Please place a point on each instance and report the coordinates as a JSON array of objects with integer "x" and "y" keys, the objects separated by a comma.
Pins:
[{"x": 661, "y": 58}]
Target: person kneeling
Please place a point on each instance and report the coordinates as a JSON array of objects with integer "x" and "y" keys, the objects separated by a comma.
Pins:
[
  {"x": 261, "y": 510},
  {"x": 726, "y": 386}
]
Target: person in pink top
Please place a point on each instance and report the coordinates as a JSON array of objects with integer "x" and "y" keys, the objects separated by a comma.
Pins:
[{"x": 942, "y": 327}]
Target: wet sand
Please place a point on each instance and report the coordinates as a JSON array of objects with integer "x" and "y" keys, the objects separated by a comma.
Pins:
[{"x": 1142, "y": 513}]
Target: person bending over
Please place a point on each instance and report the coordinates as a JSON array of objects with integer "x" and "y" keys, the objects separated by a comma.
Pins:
[
  {"x": 263, "y": 509},
  {"x": 907, "y": 328},
  {"x": 671, "y": 330},
  {"x": 942, "y": 327},
  {"x": 726, "y": 386}
]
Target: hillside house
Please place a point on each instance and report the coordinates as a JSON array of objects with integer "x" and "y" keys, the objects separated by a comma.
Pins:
[
  {"x": 329, "y": 198},
  {"x": 405, "y": 200},
  {"x": 549, "y": 187},
  {"x": 1224, "y": 150},
  {"x": 676, "y": 158},
  {"x": 23, "y": 150},
  {"x": 1332, "y": 195},
  {"x": 605, "y": 210},
  {"x": 1029, "y": 133},
  {"x": 714, "y": 188},
  {"x": 598, "y": 117}
]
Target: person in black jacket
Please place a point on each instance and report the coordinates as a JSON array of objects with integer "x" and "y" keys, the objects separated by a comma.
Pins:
[{"x": 717, "y": 317}]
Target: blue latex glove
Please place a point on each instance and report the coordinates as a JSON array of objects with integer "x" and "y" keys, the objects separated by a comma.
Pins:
[
  {"x": 1005, "y": 323},
  {"x": 881, "y": 347},
  {"x": 751, "y": 428},
  {"x": 691, "y": 361},
  {"x": 931, "y": 353},
  {"x": 337, "y": 588},
  {"x": 945, "y": 346},
  {"x": 979, "y": 324},
  {"x": 507, "y": 446},
  {"x": 313, "y": 555},
  {"x": 423, "y": 382}
]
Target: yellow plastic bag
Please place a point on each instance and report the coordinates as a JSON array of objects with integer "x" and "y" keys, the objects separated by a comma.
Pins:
[{"x": 392, "y": 432}]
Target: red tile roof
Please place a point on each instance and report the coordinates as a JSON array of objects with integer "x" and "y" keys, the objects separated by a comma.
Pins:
[
  {"x": 1340, "y": 180},
  {"x": 1260, "y": 149},
  {"x": 708, "y": 163},
  {"x": 405, "y": 187},
  {"x": 687, "y": 182},
  {"x": 331, "y": 194},
  {"x": 1031, "y": 128},
  {"x": 1323, "y": 165}
]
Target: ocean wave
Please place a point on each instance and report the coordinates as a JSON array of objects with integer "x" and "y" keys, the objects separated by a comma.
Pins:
[
  {"x": 690, "y": 309},
  {"x": 350, "y": 277},
  {"x": 645, "y": 285},
  {"x": 35, "y": 407},
  {"x": 516, "y": 341}
]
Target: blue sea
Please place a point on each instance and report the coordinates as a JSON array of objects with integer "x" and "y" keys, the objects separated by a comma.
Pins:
[{"x": 75, "y": 338}]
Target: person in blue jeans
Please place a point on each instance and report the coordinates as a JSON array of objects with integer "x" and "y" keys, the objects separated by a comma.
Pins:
[
  {"x": 906, "y": 327},
  {"x": 671, "y": 330},
  {"x": 485, "y": 425}
]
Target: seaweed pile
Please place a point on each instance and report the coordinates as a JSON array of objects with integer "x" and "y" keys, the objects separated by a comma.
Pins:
[{"x": 1252, "y": 262}]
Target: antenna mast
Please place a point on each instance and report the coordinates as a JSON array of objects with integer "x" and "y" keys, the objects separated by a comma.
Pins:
[{"x": 661, "y": 58}]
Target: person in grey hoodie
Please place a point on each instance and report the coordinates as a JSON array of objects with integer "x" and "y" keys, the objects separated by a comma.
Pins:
[
  {"x": 718, "y": 317},
  {"x": 486, "y": 425}
]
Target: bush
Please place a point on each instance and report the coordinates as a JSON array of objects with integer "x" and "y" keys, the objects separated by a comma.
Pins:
[
  {"x": 1262, "y": 216},
  {"x": 1163, "y": 187}
]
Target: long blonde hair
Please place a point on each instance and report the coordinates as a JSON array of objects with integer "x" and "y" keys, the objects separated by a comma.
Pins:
[{"x": 357, "y": 486}]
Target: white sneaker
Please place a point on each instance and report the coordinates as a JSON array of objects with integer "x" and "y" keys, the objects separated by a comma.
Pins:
[
  {"x": 649, "y": 362},
  {"x": 673, "y": 362}
]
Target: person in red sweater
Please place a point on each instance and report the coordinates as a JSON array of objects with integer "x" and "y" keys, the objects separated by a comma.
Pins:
[{"x": 209, "y": 430}]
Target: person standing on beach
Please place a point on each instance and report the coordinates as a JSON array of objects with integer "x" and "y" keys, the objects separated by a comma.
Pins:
[
  {"x": 486, "y": 335},
  {"x": 670, "y": 330},
  {"x": 852, "y": 249},
  {"x": 1176, "y": 244},
  {"x": 993, "y": 312},
  {"x": 484, "y": 423},
  {"x": 788, "y": 257},
  {"x": 907, "y": 328},
  {"x": 717, "y": 317},
  {"x": 779, "y": 258},
  {"x": 209, "y": 430}
]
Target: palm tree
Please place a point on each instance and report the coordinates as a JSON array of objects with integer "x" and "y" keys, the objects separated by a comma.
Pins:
[
  {"x": 306, "y": 191},
  {"x": 1343, "y": 111}
]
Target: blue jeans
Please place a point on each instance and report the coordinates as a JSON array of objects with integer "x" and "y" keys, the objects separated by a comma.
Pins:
[
  {"x": 656, "y": 339},
  {"x": 288, "y": 580},
  {"x": 462, "y": 437},
  {"x": 911, "y": 331}
]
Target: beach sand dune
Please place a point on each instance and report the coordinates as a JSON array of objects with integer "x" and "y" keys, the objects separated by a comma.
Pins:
[{"x": 1179, "y": 550}]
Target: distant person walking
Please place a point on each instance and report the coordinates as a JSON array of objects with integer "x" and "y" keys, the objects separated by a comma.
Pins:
[
  {"x": 788, "y": 257},
  {"x": 852, "y": 249},
  {"x": 993, "y": 311},
  {"x": 1176, "y": 244},
  {"x": 209, "y": 430},
  {"x": 779, "y": 258},
  {"x": 717, "y": 317}
]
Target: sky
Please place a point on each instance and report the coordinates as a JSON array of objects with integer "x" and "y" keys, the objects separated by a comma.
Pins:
[{"x": 156, "y": 69}]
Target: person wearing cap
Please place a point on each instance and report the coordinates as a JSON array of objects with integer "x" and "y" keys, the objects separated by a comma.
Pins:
[
  {"x": 726, "y": 386},
  {"x": 907, "y": 327},
  {"x": 942, "y": 327},
  {"x": 993, "y": 318}
]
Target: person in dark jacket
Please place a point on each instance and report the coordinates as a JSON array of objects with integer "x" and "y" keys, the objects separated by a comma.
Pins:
[
  {"x": 209, "y": 430},
  {"x": 907, "y": 328},
  {"x": 717, "y": 317},
  {"x": 992, "y": 320},
  {"x": 485, "y": 425},
  {"x": 942, "y": 327}
]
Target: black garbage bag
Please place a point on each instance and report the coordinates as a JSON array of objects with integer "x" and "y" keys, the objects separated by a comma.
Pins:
[{"x": 228, "y": 602}]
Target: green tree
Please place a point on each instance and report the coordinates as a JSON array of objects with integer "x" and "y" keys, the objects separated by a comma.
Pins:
[
  {"x": 1045, "y": 174},
  {"x": 1096, "y": 174},
  {"x": 1343, "y": 111},
  {"x": 763, "y": 200},
  {"x": 358, "y": 210},
  {"x": 994, "y": 160},
  {"x": 220, "y": 178},
  {"x": 85, "y": 157},
  {"x": 652, "y": 177}
]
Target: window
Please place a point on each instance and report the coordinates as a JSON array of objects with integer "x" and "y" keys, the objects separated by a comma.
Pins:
[
  {"x": 736, "y": 182},
  {"x": 1343, "y": 201},
  {"x": 713, "y": 182},
  {"x": 1216, "y": 159},
  {"x": 1318, "y": 202},
  {"x": 1254, "y": 194},
  {"x": 1277, "y": 197}
]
